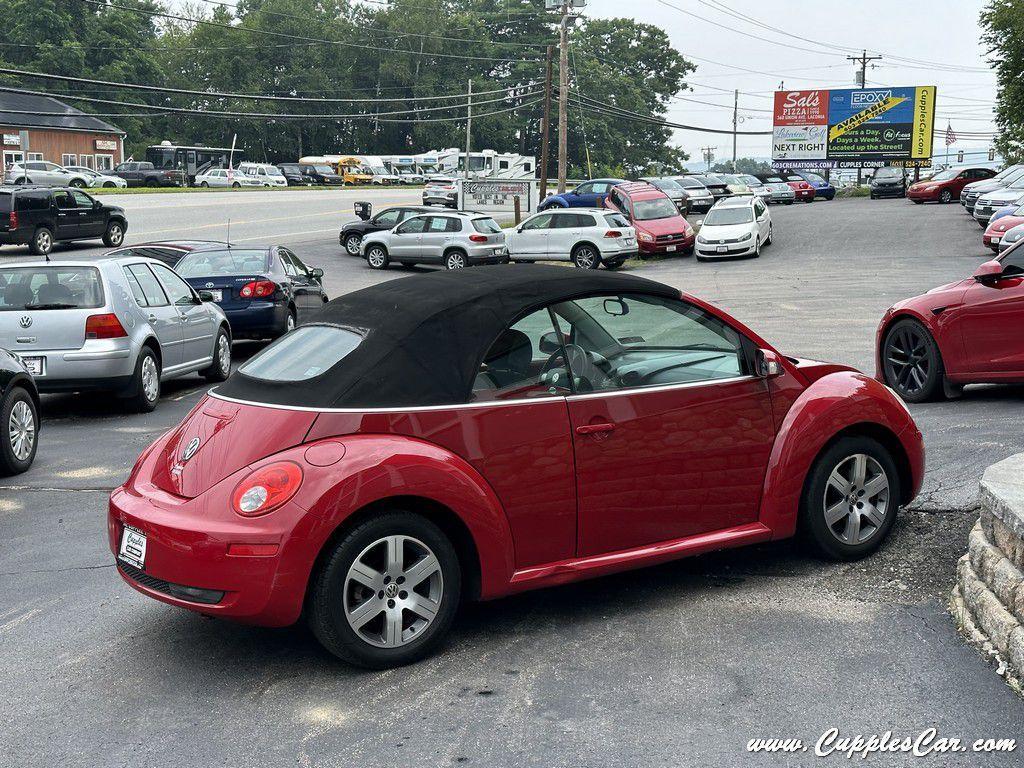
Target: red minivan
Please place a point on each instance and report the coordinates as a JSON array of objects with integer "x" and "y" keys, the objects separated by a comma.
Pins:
[{"x": 659, "y": 226}]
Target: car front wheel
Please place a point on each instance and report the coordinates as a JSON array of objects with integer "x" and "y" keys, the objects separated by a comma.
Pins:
[
  {"x": 19, "y": 427},
  {"x": 377, "y": 257},
  {"x": 387, "y": 592},
  {"x": 851, "y": 498},
  {"x": 911, "y": 361},
  {"x": 945, "y": 196},
  {"x": 352, "y": 244}
]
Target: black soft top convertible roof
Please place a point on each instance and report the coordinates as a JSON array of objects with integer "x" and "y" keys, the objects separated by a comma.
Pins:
[{"x": 425, "y": 336}]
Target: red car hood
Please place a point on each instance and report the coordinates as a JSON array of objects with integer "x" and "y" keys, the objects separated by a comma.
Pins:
[
  {"x": 672, "y": 225},
  {"x": 1003, "y": 224}
]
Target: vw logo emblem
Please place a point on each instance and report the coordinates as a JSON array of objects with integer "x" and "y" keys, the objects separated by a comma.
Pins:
[
  {"x": 209, "y": 285},
  {"x": 190, "y": 449},
  {"x": 25, "y": 321}
]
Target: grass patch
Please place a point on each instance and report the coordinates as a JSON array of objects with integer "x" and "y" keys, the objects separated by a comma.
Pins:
[{"x": 854, "y": 192}]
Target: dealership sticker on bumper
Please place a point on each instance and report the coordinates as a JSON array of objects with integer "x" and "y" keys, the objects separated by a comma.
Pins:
[{"x": 133, "y": 547}]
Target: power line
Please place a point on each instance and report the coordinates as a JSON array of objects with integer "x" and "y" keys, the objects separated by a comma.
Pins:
[{"x": 614, "y": 111}]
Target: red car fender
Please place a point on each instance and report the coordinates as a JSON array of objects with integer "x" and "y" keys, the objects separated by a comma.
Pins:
[
  {"x": 375, "y": 468},
  {"x": 949, "y": 344},
  {"x": 828, "y": 406}
]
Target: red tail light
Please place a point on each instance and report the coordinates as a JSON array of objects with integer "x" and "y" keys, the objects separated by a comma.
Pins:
[
  {"x": 613, "y": 233},
  {"x": 478, "y": 238},
  {"x": 13, "y": 220},
  {"x": 104, "y": 327},
  {"x": 258, "y": 289},
  {"x": 266, "y": 489}
]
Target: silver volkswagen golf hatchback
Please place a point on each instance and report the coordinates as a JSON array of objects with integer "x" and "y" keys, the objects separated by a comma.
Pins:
[{"x": 119, "y": 325}]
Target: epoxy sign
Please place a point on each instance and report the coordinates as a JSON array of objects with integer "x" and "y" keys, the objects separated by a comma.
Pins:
[{"x": 853, "y": 128}]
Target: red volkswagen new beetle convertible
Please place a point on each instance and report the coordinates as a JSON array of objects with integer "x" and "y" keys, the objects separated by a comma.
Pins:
[
  {"x": 967, "y": 332},
  {"x": 477, "y": 433}
]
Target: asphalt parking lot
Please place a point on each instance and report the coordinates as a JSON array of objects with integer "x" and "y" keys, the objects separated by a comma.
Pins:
[{"x": 676, "y": 665}]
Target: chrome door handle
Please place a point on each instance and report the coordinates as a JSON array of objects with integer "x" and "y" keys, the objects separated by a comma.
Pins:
[{"x": 595, "y": 429}]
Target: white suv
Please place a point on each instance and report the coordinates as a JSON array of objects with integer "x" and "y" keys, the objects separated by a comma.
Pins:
[
  {"x": 44, "y": 174},
  {"x": 266, "y": 174},
  {"x": 588, "y": 237}
]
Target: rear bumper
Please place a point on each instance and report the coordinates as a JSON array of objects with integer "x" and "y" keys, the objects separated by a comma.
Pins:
[
  {"x": 258, "y": 320},
  {"x": 101, "y": 364},
  {"x": 444, "y": 198},
  {"x": 20, "y": 236},
  {"x": 487, "y": 256},
  {"x": 991, "y": 241}
]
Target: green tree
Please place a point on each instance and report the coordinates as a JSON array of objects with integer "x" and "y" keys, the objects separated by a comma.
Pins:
[{"x": 1003, "y": 25}]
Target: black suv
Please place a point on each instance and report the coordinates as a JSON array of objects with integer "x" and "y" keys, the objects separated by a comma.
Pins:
[
  {"x": 321, "y": 174},
  {"x": 351, "y": 235},
  {"x": 41, "y": 216},
  {"x": 293, "y": 174}
]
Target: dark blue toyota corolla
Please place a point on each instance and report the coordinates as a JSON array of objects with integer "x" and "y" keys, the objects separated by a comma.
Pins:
[{"x": 265, "y": 291}]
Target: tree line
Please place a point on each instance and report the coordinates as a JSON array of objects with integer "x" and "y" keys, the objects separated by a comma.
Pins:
[{"x": 387, "y": 57}]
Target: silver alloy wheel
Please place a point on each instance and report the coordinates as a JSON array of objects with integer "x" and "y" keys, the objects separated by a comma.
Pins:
[
  {"x": 856, "y": 499},
  {"x": 224, "y": 354},
  {"x": 393, "y": 591},
  {"x": 150, "y": 379},
  {"x": 44, "y": 242},
  {"x": 22, "y": 430},
  {"x": 455, "y": 260},
  {"x": 376, "y": 257},
  {"x": 352, "y": 243},
  {"x": 289, "y": 324},
  {"x": 116, "y": 234},
  {"x": 585, "y": 258}
]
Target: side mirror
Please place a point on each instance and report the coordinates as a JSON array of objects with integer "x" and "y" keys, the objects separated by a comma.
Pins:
[
  {"x": 616, "y": 307},
  {"x": 988, "y": 272},
  {"x": 317, "y": 273},
  {"x": 549, "y": 343},
  {"x": 205, "y": 296},
  {"x": 769, "y": 364}
]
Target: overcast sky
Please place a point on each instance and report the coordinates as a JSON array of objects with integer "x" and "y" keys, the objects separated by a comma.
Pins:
[{"x": 928, "y": 31}]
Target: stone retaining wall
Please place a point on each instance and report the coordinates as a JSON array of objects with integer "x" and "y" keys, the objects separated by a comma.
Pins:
[{"x": 988, "y": 599}]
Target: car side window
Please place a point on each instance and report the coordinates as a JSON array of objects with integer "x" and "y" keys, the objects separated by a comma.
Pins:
[
  {"x": 600, "y": 188},
  {"x": 759, "y": 208},
  {"x": 538, "y": 222},
  {"x": 519, "y": 365},
  {"x": 585, "y": 189},
  {"x": 298, "y": 266},
  {"x": 438, "y": 224},
  {"x": 388, "y": 218},
  {"x": 286, "y": 262},
  {"x": 454, "y": 225},
  {"x": 412, "y": 226},
  {"x": 65, "y": 200},
  {"x": 585, "y": 220},
  {"x": 632, "y": 340},
  {"x": 136, "y": 289},
  {"x": 563, "y": 221},
  {"x": 178, "y": 290},
  {"x": 151, "y": 288},
  {"x": 82, "y": 200},
  {"x": 1013, "y": 262}
]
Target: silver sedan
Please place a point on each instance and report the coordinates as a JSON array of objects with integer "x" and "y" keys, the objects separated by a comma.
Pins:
[{"x": 120, "y": 325}]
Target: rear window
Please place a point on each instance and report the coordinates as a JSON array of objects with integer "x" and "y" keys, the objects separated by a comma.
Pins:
[
  {"x": 487, "y": 226},
  {"x": 687, "y": 183},
  {"x": 50, "y": 288},
  {"x": 305, "y": 353},
  {"x": 237, "y": 261},
  {"x": 616, "y": 220},
  {"x": 5, "y": 202}
]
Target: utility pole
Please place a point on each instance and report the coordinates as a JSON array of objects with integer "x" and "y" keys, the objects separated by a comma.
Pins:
[
  {"x": 709, "y": 156},
  {"x": 563, "y": 96},
  {"x": 863, "y": 60},
  {"x": 545, "y": 124},
  {"x": 469, "y": 126},
  {"x": 735, "y": 125}
]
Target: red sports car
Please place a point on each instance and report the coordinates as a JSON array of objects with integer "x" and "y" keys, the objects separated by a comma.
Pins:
[
  {"x": 967, "y": 332},
  {"x": 468, "y": 435},
  {"x": 946, "y": 186},
  {"x": 995, "y": 230}
]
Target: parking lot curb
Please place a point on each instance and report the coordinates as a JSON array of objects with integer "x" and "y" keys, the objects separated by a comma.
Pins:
[{"x": 988, "y": 599}]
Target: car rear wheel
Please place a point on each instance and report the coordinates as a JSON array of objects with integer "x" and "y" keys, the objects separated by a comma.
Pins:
[
  {"x": 114, "y": 235},
  {"x": 387, "y": 592},
  {"x": 19, "y": 427},
  {"x": 455, "y": 260},
  {"x": 586, "y": 257},
  {"x": 377, "y": 257},
  {"x": 945, "y": 196},
  {"x": 352, "y": 244},
  {"x": 146, "y": 382},
  {"x": 850, "y": 499},
  {"x": 911, "y": 361},
  {"x": 220, "y": 368},
  {"x": 42, "y": 242}
]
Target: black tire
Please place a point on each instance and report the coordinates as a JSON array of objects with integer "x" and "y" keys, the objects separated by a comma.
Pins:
[
  {"x": 586, "y": 256},
  {"x": 109, "y": 185},
  {"x": 917, "y": 202},
  {"x": 41, "y": 242},
  {"x": 771, "y": 232},
  {"x": 10, "y": 463},
  {"x": 219, "y": 369},
  {"x": 920, "y": 377},
  {"x": 352, "y": 243},
  {"x": 138, "y": 400},
  {"x": 872, "y": 197},
  {"x": 77, "y": 184},
  {"x": 203, "y": 184},
  {"x": 455, "y": 259},
  {"x": 945, "y": 196},
  {"x": 290, "y": 323},
  {"x": 377, "y": 256},
  {"x": 235, "y": 185},
  {"x": 789, "y": 202},
  {"x": 820, "y": 499},
  {"x": 329, "y": 590},
  {"x": 152, "y": 183},
  {"x": 114, "y": 235}
]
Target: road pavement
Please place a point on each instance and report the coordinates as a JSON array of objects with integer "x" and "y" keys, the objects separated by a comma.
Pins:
[{"x": 677, "y": 665}]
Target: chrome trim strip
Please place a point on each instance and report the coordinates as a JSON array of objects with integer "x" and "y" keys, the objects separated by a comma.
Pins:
[{"x": 659, "y": 388}]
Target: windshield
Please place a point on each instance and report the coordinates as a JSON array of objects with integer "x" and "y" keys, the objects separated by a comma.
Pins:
[
  {"x": 50, "y": 288},
  {"x": 302, "y": 354},
  {"x": 715, "y": 178},
  {"x": 750, "y": 181},
  {"x": 718, "y": 217},
  {"x": 666, "y": 185},
  {"x": 889, "y": 173},
  {"x": 237, "y": 261},
  {"x": 813, "y": 177},
  {"x": 688, "y": 183},
  {"x": 659, "y": 208},
  {"x": 324, "y": 169}
]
